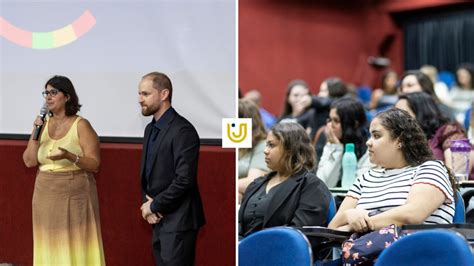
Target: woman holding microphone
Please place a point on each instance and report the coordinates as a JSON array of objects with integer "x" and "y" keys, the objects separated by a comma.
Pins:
[{"x": 66, "y": 223}]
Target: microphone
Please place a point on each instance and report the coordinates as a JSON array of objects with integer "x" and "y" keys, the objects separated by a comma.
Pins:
[{"x": 43, "y": 113}]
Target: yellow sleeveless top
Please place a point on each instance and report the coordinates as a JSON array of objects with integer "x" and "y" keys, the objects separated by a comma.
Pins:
[{"x": 49, "y": 146}]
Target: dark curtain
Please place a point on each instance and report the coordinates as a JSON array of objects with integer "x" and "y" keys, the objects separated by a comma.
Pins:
[{"x": 443, "y": 40}]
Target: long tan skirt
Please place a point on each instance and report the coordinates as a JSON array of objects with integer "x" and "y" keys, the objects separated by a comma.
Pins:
[{"x": 66, "y": 222}]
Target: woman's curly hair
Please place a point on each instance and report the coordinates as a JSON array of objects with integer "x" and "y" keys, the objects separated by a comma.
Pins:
[
  {"x": 413, "y": 142},
  {"x": 298, "y": 152},
  {"x": 406, "y": 129}
]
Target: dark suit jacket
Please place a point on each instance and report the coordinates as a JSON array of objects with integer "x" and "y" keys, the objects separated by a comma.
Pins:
[
  {"x": 173, "y": 179},
  {"x": 303, "y": 199}
]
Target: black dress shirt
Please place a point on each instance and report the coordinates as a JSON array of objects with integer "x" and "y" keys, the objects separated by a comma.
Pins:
[{"x": 155, "y": 130}]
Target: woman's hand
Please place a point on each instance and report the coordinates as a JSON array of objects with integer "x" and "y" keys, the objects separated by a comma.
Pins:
[
  {"x": 359, "y": 220},
  {"x": 330, "y": 136},
  {"x": 345, "y": 228},
  {"x": 38, "y": 121},
  {"x": 298, "y": 108},
  {"x": 60, "y": 155}
]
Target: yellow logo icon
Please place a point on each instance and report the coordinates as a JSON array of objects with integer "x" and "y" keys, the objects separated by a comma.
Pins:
[
  {"x": 237, "y": 133},
  {"x": 237, "y": 138}
]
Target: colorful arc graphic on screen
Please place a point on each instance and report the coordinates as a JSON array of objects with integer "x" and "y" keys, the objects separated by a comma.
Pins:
[{"x": 51, "y": 39}]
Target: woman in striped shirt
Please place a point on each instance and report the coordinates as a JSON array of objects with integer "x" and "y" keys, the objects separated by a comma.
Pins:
[{"x": 409, "y": 187}]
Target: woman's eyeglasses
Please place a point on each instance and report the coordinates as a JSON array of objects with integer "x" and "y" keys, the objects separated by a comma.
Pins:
[
  {"x": 335, "y": 121},
  {"x": 52, "y": 92}
]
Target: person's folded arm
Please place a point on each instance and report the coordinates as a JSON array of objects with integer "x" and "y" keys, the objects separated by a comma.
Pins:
[
  {"x": 422, "y": 201},
  {"x": 340, "y": 219}
]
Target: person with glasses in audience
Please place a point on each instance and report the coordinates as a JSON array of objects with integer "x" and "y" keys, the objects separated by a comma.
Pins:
[
  {"x": 347, "y": 123},
  {"x": 330, "y": 90},
  {"x": 66, "y": 223}
]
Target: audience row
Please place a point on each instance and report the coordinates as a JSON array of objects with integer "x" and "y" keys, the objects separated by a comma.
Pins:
[{"x": 404, "y": 162}]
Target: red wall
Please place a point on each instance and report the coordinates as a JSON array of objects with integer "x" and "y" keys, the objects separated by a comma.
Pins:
[
  {"x": 281, "y": 40},
  {"x": 126, "y": 237}
]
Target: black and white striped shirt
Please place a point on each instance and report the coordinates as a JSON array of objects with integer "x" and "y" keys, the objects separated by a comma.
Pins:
[{"x": 380, "y": 189}]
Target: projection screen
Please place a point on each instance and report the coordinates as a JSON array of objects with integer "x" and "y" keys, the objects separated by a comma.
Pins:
[{"x": 105, "y": 47}]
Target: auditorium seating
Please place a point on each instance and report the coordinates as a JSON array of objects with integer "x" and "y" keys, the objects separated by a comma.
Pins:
[
  {"x": 459, "y": 211},
  {"x": 431, "y": 247},
  {"x": 276, "y": 246}
]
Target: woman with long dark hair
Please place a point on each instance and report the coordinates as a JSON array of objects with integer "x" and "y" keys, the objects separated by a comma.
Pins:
[
  {"x": 347, "y": 123},
  {"x": 439, "y": 131},
  {"x": 293, "y": 107},
  {"x": 462, "y": 94},
  {"x": 417, "y": 81}
]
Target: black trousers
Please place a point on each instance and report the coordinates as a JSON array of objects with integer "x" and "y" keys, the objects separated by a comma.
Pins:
[{"x": 174, "y": 248}]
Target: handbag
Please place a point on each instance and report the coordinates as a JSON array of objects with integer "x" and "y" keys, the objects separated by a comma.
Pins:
[{"x": 363, "y": 249}]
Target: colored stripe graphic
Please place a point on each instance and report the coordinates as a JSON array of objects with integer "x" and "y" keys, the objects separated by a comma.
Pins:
[{"x": 51, "y": 39}]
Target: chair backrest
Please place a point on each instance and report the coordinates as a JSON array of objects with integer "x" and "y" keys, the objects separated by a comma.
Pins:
[
  {"x": 459, "y": 210},
  {"x": 447, "y": 77},
  {"x": 430, "y": 247},
  {"x": 364, "y": 93},
  {"x": 332, "y": 209},
  {"x": 275, "y": 246},
  {"x": 467, "y": 119}
]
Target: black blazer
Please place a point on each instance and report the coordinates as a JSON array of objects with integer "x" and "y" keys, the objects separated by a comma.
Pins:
[
  {"x": 173, "y": 179},
  {"x": 303, "y": 199}
]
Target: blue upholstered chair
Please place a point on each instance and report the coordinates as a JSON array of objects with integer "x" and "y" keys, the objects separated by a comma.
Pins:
[
  {"x": 364, "y": 93},
  {"x": 459, "y": 210},
  {"x": 332, "y": 259},
  {"x": 276, "y": 246},
  {"x": 467, "y": 119},
  {"x": 332, "y": 209},
  {"x": 447, "y": 77},
  {"x": 436, "y": 247}
]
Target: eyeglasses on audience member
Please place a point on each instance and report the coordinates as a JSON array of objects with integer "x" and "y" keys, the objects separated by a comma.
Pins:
[{"x": 334, "y": 120}]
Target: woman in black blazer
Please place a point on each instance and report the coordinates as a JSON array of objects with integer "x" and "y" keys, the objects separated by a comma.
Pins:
[{"x": 289, "y": 195}]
